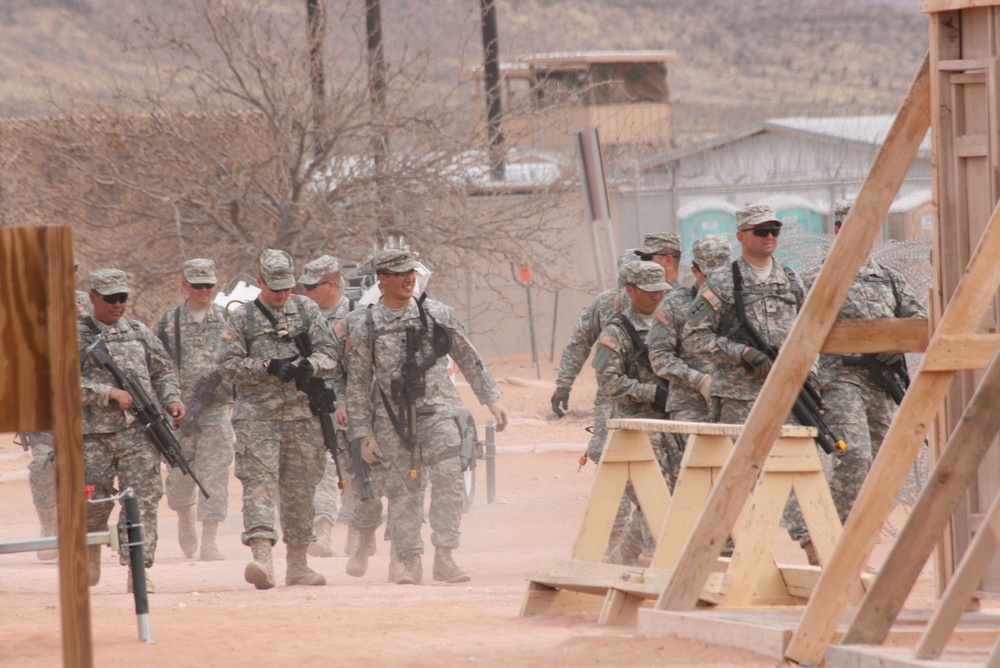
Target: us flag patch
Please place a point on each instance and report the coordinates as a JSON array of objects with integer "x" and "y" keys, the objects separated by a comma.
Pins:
[
  {"x": 339, "y": 330},
  {"x": 663, "y": 317},
  {"x": 609, "y": 341},
  {"x": 347, "y": 345},
  {"x": 228, "y": 335},
  {"x": 711, "y": 297}
]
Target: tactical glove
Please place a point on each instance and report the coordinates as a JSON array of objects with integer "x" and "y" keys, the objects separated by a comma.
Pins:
[
  {"x": 759, "y": 362},
  {"x": 371, "y": 451},
  {"x": 499, "y": 413},
  {"x": 660, "y": 400},
  {"x": 282, "y": 367},
  {"x": 304, "y": 370},
  {"x": 560, "y": 401}
]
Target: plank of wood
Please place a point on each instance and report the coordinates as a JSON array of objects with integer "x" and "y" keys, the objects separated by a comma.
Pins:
[
  {"x": 964, "y": 351},
  {"x": 713, "y": 428},
  {"x": 602, "y": 507},
  {"x": 709, "y": 627},
  {"x": 541, "y": 599},
  {"x": 953, "y": 472},
  {"x": 850, "y": 336},
  {"x": 809, "y": 330}
]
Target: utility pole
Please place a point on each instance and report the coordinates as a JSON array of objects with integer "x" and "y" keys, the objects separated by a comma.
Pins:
[
  {"x": 491, "y": 69},
  {"x": 316, "y": 26}
]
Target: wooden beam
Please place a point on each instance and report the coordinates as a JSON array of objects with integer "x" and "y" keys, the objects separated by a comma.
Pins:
[
  {"x": 906, "y": 434},
  {"x": 953, "y": 472},
  {"x": 810, "y": 329},
  {"x": 962, "y": 351},
  {"x": 881, "y": 335},
  {"x": 936, "y": 6}
]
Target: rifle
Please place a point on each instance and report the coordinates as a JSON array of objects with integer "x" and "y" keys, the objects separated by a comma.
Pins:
[
  {"x": 640, "y": 353},
  {"x": 410, "y": 386},
  {"x": 808, "y": 406},
  {"x": 203, "y": 397},
  {"x": 146, "y": 412},
  {"x": 321, "y": 401},
  {"x": 893, "y": 378},
  {"x": 362, "y": 472}
]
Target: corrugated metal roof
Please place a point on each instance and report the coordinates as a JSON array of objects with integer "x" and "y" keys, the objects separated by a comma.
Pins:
[{"x": 584, "y": 57}]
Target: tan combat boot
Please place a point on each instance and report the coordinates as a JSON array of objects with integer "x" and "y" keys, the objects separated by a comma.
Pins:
[
  {"x": 323, "y": 547},
  {"x": 395, "y": 565},
  {"x": 150, "y": 587},
  {"x": 298, "y": 572},
  {"x": 47, "y": 520},
  {"x": 260, "y": 571},
  {"x": 357, "y": 564},
  {"x": 410, "y": 570},
  {"x": 209, "y": 550},
  {"x": 187, "y": 531},
  {"x": 445, "y": 568},
  {"x": 93, "y": 564}
]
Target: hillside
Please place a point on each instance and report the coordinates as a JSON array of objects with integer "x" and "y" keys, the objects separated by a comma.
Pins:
[{"x": 740, "y": 61}]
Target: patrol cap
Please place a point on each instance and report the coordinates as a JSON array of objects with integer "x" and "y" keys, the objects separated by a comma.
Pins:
[
  {"x": 395, "y": 260},
  {"x": 276, "y": 269},
  {"x": 711, "y": 252},
  {"x": 647, "y": 276},
  {"x": 109, "y": 282},
  {"x": 318, "y": 268},
  {"x": 200, "y": 270},
  {"x": 659, "y": 242},
  {"x": 841, "y": 208},
  {"x": 754, "y": 215},
  {"x": 628, "y": 255}
]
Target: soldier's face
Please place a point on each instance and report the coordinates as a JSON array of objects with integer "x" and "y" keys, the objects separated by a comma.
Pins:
[
  {"x": 108, "y": 312},
  {"x": 644, "y": 302},
  {"x": 397, "y": 287},
  {"x": 199, "y": 294},
  {"x": 757, "y": 247},
  {"x": 272, "y": 298}
]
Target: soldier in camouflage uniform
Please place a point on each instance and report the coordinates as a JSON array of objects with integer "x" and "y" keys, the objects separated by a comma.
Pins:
[
  {"x": 626, "y": 378},
  {"x": 190, "y": 333},
  {"x": 114, "y": 444},
  {"x": 858, "y": 407},
  {"x": 773, "y": 295},
  {"x": 376, "y": 354},
  {"x": 279, "y": 445},
  {"x": 663, "y": 248},
  {"x": 689, "y": 375},
  {"x": 321, "y": 282}
]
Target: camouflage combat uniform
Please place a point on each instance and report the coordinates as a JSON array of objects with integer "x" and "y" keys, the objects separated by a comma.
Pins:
[
  {"x": 375, "y": 354},
  {"x": 279, "y": 445},
  {"x": 674, "y": 362},
  {"x": 114, "y": 444},
  {"x": 605, "y": 306},
  {"x": 208, "y": 443},
  {"x": 714, "y": 335},
  {"x": 857, "y": 408}
]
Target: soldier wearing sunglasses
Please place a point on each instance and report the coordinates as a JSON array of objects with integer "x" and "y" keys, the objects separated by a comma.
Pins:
[
  {"x": 772, "y": 295},
  {"x": 190, "y": 332}
]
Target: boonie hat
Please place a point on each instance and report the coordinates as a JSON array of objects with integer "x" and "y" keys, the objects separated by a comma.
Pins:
[
  {"x": 647, "y": 276},
  {"x": 318, "y": 268},
  {"x": 755, "y": 215},
  {"x": 659, "y": 242},
  {"x": 276, "y": 269},
  {"x": 398, "y": 261},
  {"x": 200, "y": 270},
  {"x": 109, "y": 282},
  {"x": 711, "y": 252}
]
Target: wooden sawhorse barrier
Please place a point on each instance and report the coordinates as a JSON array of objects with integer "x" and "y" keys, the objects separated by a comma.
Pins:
[{"x": 750, "y": 578}]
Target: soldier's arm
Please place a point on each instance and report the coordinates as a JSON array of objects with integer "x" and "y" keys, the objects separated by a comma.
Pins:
[
  {"x": 577, "y": 349},
  {"x": 161, "y": 371},
  {"x": 92, "y": 391},
  {"x": 231, "y": 353},
  {"x": 360, "y": 374},
  {"x": 908, "y": 306},
  {"x": 663, "y": 342},
  {"x": 323, "y": 358},
  {"x": 700, "y": 333},
  {"x": 470, "y": 363},
  {"x": 612, "y": 375}
]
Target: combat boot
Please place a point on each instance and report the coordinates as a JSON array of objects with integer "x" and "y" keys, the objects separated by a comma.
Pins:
[
  {"x": 93, "y": 564},
  {"x": 298, "y": 573},
  {"x": 395, "y": 566},
  {"x": 323, "y": 547},
  {"x": 364, "y": 547},
  {"x": 445, "y": 568},
  {"x": 47, "y": 520},
  {"x": 260, "y": 571},
  {"x": 410, "y": 570},
  {"x": 209, "y": 550},
  {"x": 150, "y": 587},
  {"x": 187, "y": 531}
]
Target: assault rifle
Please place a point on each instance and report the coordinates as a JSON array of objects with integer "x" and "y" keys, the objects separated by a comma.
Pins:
[
  {"x": 893, "y": 378},
  {"x": 321, "y": 402},
  {"x": 362, "y": 472},
  {"x": 640, "y": 354},
  {"x": 145, "y": 411},
  {"x": 202, "y": 398},
  {"x": 808, "y": 406}
]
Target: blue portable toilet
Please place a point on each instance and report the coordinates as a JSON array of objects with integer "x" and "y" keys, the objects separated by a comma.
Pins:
[{"x": 706, "y": 216}]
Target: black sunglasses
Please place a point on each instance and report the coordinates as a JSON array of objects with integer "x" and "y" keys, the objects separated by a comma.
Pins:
[
  {"x": 312, "y": 286},
  {"x": 119, "y": 298},
  {"x": 764, "y": 231},
  {"x": 203, "y": 286}
]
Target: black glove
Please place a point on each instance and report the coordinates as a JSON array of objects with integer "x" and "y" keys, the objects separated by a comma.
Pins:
[
  {"x": 304, "y": 370},
  {"x": 889, "y": 359},
  {"x": 282, "y": 367},
  {"x": 560, "y": 401},
  {"x": 759, "y": 362},
  {"x": 660, "y": 400}
]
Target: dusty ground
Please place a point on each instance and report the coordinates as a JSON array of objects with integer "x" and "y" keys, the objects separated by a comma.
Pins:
[{"x": 204, "y": 614}]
